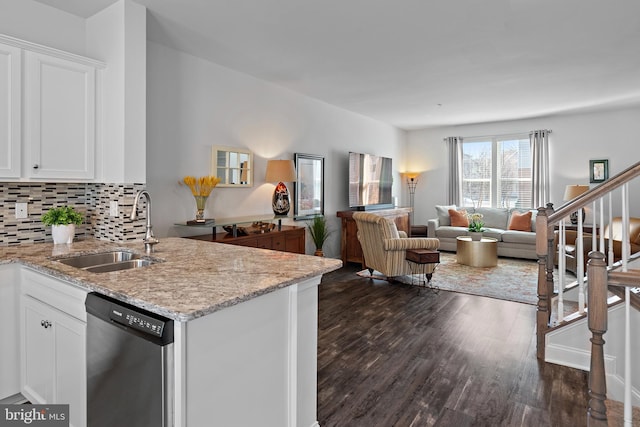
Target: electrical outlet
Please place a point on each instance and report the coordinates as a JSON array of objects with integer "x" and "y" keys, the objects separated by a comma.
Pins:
[
  {"x": 22, "y": 210},
  {"x": 113, "y": 208}
]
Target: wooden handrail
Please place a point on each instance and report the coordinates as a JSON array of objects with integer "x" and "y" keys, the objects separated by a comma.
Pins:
[
  {"x": 593, "y": 194},
  {"x": 624, "y": 278}
]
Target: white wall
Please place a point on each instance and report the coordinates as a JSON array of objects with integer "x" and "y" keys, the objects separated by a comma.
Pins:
[
  {"x": 117, "y": 36},
  {"x": 42, "y": 24},
  {"x": 575, "y": 139},
  {"x": 193, "y": 104}
]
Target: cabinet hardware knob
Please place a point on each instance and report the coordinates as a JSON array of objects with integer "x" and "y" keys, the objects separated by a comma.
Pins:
[
  {"x": 45, "y": 323},
  {"x": 36, "y": 166}
]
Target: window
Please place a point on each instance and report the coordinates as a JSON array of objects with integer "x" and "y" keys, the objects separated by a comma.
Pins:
[{"x": 496, "y": 172}]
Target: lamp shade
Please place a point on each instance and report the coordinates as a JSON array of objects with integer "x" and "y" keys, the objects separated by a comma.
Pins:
[
  {"x": 573, "y": 191},
  {"x": 280, "y": 171},
  {"x": 412, "y": 175}
]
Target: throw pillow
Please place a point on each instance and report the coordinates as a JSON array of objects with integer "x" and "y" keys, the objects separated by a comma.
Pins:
[
  {"x": 442, "y": 211},
  {"x": 458, "y": 218},
  {"x": 520, "y": 221}
]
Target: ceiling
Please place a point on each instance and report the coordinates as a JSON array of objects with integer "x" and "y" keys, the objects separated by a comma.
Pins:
[{"x": 416, "y": 63}]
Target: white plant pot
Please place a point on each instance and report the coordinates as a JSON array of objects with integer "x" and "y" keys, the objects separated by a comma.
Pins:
[
  {"x": 63, "y": 234},
  {"x": 476, "y": 236}
]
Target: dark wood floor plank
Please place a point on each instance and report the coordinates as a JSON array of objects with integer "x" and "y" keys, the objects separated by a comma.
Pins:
[{"x": 390, "y": 356}]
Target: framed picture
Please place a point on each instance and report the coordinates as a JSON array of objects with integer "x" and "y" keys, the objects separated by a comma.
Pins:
[
  {"x": 598, "y": 171},
  {"x": 309, "y": 186}
]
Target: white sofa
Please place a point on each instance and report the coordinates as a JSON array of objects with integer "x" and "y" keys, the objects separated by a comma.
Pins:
[{"x": 511, "y": 243}]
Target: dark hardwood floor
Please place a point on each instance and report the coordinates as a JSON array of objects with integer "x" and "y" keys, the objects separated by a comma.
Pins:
[{"x": 388, "y": 356}]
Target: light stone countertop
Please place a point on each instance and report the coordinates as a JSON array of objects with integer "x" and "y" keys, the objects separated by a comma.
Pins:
[{"x": 193, "y": 279}]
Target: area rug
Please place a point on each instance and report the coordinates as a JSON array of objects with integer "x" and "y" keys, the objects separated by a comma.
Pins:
[{"x": 512, "y": 279}]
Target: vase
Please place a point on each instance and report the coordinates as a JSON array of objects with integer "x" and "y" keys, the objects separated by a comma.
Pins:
[
  {"x": 476, "y": 236},
  {"x": 319, "y": 252},
  {"x": 63, "y": 234},
  {"x": 201, "y": 201}
]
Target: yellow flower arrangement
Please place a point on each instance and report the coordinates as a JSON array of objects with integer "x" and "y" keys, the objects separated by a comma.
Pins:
[{"x": 201, "y": 186}]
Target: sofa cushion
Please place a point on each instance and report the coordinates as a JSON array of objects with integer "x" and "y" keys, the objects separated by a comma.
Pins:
[
  {"x": 494, "y": 233},
  {"x": 458, "y": 218},
  {"x": 522, "y": 237},
  {"x": 520, "y": 221},
  {"x": 449, "y": 232},
  {"x": 442, "y": 211},
  {"x": 534, "y": 213},
  {"x": 494, "y": 217}
]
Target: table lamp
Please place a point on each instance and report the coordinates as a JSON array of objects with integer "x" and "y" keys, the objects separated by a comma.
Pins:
[
  {"x": 280, "y": 171},
  {"x": 570, "y": 193}
]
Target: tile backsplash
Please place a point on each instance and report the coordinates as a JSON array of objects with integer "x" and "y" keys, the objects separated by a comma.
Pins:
[{"x": 92, "y": 200}]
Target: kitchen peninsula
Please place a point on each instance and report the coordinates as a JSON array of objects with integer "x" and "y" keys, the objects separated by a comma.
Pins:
[{"x": 245, "y": 322}]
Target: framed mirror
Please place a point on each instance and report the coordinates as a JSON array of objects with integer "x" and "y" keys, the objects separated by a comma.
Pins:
[
  {"x": 234, "y": 166},
  {"x": 309, "y": 186}
]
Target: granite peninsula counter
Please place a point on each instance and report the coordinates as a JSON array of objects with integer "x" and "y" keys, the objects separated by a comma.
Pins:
[
  {"x": 245, "y": 325},
  {"x": 191, "y": 279}
]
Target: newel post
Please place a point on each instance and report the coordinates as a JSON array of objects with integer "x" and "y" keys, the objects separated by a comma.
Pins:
[
  {"x": 543, "y": 312},
  {"x": 597, "y": 321}
]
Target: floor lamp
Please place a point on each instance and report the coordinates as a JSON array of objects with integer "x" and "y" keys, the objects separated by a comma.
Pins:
[{"x": 412, "y": 181}]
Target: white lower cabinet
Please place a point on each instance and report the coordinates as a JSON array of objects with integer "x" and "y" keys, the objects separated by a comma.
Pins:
[
  {"x": 53, "y": 346},
  {"x": 9, "y": 353}
]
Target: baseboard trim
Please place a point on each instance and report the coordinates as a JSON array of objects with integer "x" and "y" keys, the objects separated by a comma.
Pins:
[
  {"x": 615, "y": 390},
  {"x": 575, "y": 358}
]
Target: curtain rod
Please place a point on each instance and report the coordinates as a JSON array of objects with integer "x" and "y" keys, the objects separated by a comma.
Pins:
[{"x": 500, "y": 135}]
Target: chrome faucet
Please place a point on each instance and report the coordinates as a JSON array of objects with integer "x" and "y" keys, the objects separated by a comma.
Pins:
[{"x": 149, "y": 239}]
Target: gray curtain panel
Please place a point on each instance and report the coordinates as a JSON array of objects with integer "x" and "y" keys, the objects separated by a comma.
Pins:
[
  {"x": 454, "y": 146},
  {"x": 540, "y": 192}
]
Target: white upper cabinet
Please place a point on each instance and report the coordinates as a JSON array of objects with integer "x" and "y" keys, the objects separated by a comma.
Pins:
[
  {"x": 49, "y": 113},
  {"x": 10, "y": 118},
  {"x": 60, "y": 118}
]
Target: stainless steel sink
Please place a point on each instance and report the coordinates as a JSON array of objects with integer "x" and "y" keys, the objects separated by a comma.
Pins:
[
  {"x": 122, "y": 265},
  {"x": 107, "y": 261}
]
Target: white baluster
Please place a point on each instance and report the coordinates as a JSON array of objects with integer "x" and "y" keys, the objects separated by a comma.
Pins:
[
  {"x": 627, "y": 308},
  {"x": 561, "y": 269},
  {"x": 580, "y": 265}
]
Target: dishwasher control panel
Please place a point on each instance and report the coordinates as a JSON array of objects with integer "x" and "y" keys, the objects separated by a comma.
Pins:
[{"x": 136, "y": 320}]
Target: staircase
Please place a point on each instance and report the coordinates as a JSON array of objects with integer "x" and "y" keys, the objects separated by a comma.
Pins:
[{"x": 608, "y": 303}]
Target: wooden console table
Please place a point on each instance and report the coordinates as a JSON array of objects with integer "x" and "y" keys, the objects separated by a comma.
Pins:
[
  {"x": 350, "y": 248},
  {"x": 286, "y": 238}
]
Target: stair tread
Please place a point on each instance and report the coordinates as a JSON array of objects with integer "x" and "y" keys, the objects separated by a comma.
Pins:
[{"x": 615, "y": 413}]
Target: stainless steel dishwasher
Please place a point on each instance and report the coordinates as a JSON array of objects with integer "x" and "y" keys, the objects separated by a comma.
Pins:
[{"x": 129, "y": 365}]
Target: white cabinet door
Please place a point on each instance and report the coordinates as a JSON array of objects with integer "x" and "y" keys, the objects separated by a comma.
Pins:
[
  {"x": 70, "y": 368},
  {"x": 54, "y": 358},
  {"x": 38, "y": 356},
  {"x": 10, "y": 111},
  {"x": 9, "y": 353},
  {"x": 60, "y": 118}
]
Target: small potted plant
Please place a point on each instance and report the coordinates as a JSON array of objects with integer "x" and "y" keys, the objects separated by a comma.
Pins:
[
  {"x": 319, "y": 231},
  {"x": 63, "y": 221},
  {"x": 476, "y": 226}
]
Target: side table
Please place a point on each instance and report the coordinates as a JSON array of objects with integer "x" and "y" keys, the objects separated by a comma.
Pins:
[{"x": 419, "y": 261}]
